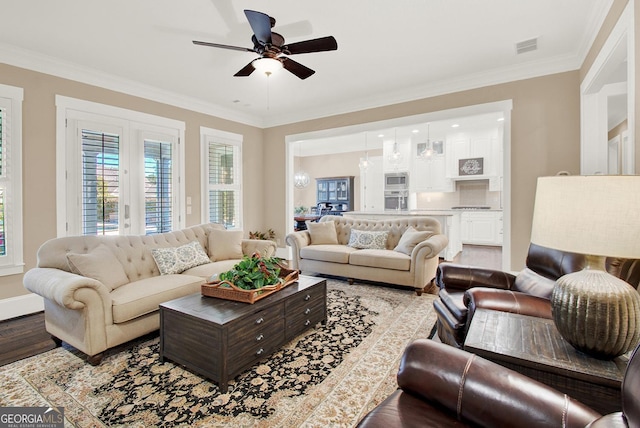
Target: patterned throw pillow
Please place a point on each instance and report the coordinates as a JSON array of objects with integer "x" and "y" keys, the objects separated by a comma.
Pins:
[
  {"x": 367, "y": 239},
  {"x": 178, "y": 259}
]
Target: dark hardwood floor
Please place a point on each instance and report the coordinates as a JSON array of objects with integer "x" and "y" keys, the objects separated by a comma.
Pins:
[
  {"x": 23, "y": 337},
  {"x": 26, "y": 336}
]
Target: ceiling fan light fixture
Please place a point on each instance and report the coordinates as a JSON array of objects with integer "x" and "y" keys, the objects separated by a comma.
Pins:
[{"x": 266, "y": 65}]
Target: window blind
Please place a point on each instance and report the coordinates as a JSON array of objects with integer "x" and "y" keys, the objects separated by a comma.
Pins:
[
  {"x": 157, "y": 187},
  {"x": 100, "y": 183},
  {"x": 223, "y": 189},
  {"x": 3, "y": 247}
]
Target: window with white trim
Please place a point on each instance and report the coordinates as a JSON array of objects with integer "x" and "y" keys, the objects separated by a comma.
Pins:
[
  {"x": 123, "y": 171},
  {"x": 11, "y": 257},
  {"x": 222, "y": 177}
]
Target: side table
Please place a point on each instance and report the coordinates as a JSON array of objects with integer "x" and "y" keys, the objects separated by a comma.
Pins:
[{"x": 533, "y": 346}]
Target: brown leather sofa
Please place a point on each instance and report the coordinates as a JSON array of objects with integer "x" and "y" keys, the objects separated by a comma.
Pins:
[
  {"x": 463, "y": 289},
  {"x": 441, "y": 386}
]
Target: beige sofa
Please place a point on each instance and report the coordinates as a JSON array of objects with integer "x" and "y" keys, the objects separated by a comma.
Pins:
[
  {"x": 406, "y": 254},
  {"x": 102, "y": 291}
]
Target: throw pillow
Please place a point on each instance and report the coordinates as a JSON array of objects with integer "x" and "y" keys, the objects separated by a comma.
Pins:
[
  {"x": 323, "y": 233},
  {"x": 409, "y": 239},
  {"x": 100, "y": 264},
  {"x": 368, "y": 239},
  {"x": 225, "y": 244},
  {"x": 178, "y": 259}
]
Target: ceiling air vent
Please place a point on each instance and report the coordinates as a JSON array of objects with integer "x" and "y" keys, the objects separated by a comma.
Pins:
[{"x": 526, "y": 46}]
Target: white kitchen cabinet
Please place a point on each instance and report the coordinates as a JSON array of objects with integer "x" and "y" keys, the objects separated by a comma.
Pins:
[
  {"x": 477, "y": 144},
  {"x": 429, "y": 175},
  {"x": 481, "y": 227},
  {"x": 404, "y": 159},
  {"x": 372, "y": 186}
]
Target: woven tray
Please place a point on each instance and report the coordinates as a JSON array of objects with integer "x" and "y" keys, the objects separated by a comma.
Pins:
[{"x": 227, "y": 290}]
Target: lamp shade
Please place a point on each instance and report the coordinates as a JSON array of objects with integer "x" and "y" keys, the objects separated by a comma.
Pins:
[
  {"x": 594, "y": 215},
  {"x": 597, "y": 216}
]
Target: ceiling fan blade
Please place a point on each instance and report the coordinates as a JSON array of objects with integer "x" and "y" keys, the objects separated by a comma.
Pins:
[
  {"x": 245, "y": 71},
  {"x": 296, "y": 68},
  {"x": 309, "y": 46},
  {"x": 260, "y": 24},
  {"x": 218, "y": 45}
]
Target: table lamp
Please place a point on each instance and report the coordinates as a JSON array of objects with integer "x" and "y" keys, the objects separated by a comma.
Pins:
[{"x": 598, "y": 216}]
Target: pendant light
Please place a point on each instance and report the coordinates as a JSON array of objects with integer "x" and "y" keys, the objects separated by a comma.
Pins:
[
  {"x": 301, "y": 178},
  {"x": 428, "y": 150},
  {"x": 395, "y": 157},
  {"x": 365, "y": 163}
]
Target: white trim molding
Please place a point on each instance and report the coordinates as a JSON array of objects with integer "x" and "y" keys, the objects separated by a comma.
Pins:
[{"x": 20, "y": 305}]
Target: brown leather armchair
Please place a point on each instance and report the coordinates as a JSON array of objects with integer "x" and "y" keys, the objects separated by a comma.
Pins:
[
  {"x": 463, "y": 289},
  {"x": 441, "y": 386}
]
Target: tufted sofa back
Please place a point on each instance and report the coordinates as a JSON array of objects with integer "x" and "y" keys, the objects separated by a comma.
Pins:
[
  {"x": 133, "y": 252},
  {"x": 395, "y": 227}
]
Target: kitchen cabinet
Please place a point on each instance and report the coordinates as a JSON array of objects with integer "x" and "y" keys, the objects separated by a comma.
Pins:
[
  {"x": 403, "y": 149},
  {"x": 372, "y": 186},
  {"x": 335, "y": 191},
  {"x": 485, "y": 145},
  {"x": 429, "y": 175},
  {"x": 481, "y": 227}
]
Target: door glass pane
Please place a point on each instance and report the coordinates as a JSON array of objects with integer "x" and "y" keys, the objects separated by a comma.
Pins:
[
  {"x": 223, "y": 193},
  {"x": 157, "y": 187},
  {"x": 100, "y": 183},
  {"x": 222, "y": 207}
]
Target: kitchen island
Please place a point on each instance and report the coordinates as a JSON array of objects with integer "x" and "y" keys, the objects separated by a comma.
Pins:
[{"x": 449, "y": 222}]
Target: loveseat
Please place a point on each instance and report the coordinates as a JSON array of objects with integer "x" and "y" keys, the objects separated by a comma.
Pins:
[
  {"x": 402, "y": 251},
  {"x": 102, "y": 291}
]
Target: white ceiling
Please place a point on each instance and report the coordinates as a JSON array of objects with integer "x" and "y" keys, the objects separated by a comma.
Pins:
[{"x": 388, "y": 51}]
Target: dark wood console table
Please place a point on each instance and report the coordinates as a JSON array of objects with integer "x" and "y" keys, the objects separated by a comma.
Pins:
[{"x": 532, "y": 346}]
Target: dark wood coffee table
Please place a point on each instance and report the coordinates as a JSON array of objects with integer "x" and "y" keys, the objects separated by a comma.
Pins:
[
  {"x": 533, "y": 346},
  {"x": 220, "y": 339}
]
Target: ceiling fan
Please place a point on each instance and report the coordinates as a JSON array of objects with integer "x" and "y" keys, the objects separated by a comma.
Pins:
[{"x": 271, "y": 47}]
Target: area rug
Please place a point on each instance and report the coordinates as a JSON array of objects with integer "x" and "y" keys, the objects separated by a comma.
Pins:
[{"x": 331, "y": 375}]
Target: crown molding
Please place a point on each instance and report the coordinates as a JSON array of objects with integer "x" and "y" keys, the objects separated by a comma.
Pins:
[{"x": 30, "y": 60}]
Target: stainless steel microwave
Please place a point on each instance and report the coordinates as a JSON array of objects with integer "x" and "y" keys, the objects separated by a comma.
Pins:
[{"x": 396, "y": 181}]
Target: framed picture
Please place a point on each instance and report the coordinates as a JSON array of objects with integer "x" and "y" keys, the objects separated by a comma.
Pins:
[{"x": 471, "y": 166}]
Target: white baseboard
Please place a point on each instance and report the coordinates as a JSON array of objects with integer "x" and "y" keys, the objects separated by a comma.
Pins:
[
  {"x": 20, "y": 305},
  {"x": 284, "y": 253}
]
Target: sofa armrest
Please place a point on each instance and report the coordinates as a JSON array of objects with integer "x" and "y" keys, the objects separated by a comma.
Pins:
[
  {"x": 485, "y": 393},
  {"x": 297, "y": 240},
  {"x": 64, "y": 287},
  {"x": 506, "y": 301},
  {"x": 462, "y": 277},
  {"x": 266, "y": 248},
  {"x": 430, "y": 247}
]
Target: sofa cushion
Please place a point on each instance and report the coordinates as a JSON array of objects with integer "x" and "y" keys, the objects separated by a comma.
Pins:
[
  {"x": 327, "y": 253},
  {"x": 225, "y": 244},
  {"x": 368, "y": 239},
  {"x": 100, "y": 264},
  {"x": 409, "y": 239},
  {"x": 142, "y": 297},
  {"x": 384, "y": 259},
  {"x": 205, "y": 271},
  {"x": 172, "y": 260},
  {"x": 323, "y": 233}
]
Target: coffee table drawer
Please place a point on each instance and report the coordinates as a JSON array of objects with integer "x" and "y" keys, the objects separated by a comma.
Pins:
[
  {"x": 303, "y": 300},
  {"x": 246, "y": 350},
  {"x": 307, "y": 316},
  {"x": 253, "y": 322}
]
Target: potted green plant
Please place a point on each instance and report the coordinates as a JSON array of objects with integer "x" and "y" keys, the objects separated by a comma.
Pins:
[{"x": 269, "y": 235}]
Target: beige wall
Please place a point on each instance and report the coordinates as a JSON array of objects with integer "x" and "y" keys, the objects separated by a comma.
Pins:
[
  {"x": 39, "y": 153},
  {"x": 545, "y": 139}
]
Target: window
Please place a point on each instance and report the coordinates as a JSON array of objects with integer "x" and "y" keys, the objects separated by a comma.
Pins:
[
  {"x": 222, "y": 160},
  {"x": 122, "y": 171},
  {"x": 11, "y": 258}
]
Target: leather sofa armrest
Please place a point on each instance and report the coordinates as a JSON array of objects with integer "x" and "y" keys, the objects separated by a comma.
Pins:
[
  {"x": 612, "y": 420},
  {"x": 265, "y": 248},
  {"x": 506, "y": 301},
  {"x": 484, "y": 393},
  {"x": 297, "y": 240},
  {"x": 461, "y": 277}
]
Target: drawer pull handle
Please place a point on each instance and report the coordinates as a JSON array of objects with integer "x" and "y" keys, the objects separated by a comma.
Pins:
[
  {"x": 260, "y": 320},
  {"x": 307, "y": 323},
  {"x": 259, "y": 337},
  {"x": 307, "y": 297},
  {"x": 307, "y": 311},
  {"x": 260, "y": 351}
]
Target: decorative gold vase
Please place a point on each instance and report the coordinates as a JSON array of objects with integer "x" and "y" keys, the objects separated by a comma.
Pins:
[{"x": 596, "y": 312}]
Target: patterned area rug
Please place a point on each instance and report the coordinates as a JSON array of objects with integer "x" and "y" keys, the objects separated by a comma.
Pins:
[{"x": 329, "y": 376}]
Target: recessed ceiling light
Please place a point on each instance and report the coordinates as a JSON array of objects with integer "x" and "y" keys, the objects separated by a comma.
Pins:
[
  {"x": 455, "y": 125},
  {"x": 380, "y": 135},
  {"x": 500, "y": 119},
  {"x": 415, "y": 131}
]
